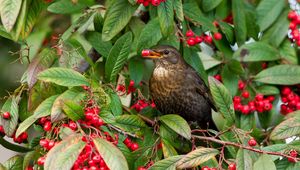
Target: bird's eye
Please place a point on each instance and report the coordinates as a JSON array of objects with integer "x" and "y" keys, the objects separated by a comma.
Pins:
[{"x": 166, "y": 52}]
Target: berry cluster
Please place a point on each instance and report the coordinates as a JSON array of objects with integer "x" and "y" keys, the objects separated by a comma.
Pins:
[
  {"x": 141, "y": 104},
  {"x": 148, "y": 2},
  {"x": 92, "y": 117},
  {"x": 293, "y": 154},
  {"x": 193, "y": 39},
  {"x": 295, "y": 21},
  {"x": 259, "y": 104},
  {"x": 131, "y": 145},
  {"x": 122, "y": 89},
  {"x": 290, "y": 100},
  {"x": 47, "y": 144}
]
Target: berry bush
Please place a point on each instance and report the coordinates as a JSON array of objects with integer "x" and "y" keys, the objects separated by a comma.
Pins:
[{"x": 83, "y": 102}]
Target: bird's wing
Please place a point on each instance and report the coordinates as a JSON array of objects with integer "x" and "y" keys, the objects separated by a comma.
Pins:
[{"x": 201, "y": 88}]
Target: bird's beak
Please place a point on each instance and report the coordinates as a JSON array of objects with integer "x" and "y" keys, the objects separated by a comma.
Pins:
[{"x": 151, "y": 54}]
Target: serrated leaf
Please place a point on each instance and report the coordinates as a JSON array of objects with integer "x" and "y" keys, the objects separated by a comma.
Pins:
[
  {"x": 239, "y": 20},
  {"x": 64, "y": 154},
  {"x": 39, "y": 63},
  {"x": 178, "y": 124},
  {"x": 178, "y": 8},
  {"x": 222, "y": 99},
  {"x": 14, "y": 163},
  {"x": 147, "y": 39},
  {"x": 73, "y": 110},
  {"x": 267, "y": 90},
  {"x": 116, "y": 18},
  {"x": 288, "y": 53},
  {"x": 67, "y": 6},
  {"x": 208, "y": 5},
  {"x": 280, "y": 74},
  {"x": 166, "y": 17},
  {"x": 228, "y": 30},
  {"x": 102, "y": 47},
  {"x": 247, "y": 122},
  {"x": 267, "y": 12},
  {"x": 131, "y": 120},
  {"x": 243, "y": 160},
  {"x": 112, "y": 156},
  {"x": 9, "y": 10},
  {"x": 115, "y": 104},
  {"x": 117, "y": 57},
  {"x": 286, "y": 129},
  {"x": 10, "y": 125},
  {"x": 196, "y": 157},
  {"x": 136, "y": 70},
  {"x": 192, "y": 11},
  {"x": 281, "y": 148},
  {"x": 208, "y": 61},
  {"x": 63, "y": 77},
  {"x": 256, "y": 51},
  {"x": 74, "y": 94},
  {"x": 264, "y": 162},
  {"x": 42, "y": 110},
  {"x": 166, "y": 164},
  {"x": 168, "y": 149}
]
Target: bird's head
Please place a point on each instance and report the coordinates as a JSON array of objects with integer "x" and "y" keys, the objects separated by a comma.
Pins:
[{"x": 163, "y": 55}]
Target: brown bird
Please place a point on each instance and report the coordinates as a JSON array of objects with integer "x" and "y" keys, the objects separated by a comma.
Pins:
[{"x": 176, "y": 88}]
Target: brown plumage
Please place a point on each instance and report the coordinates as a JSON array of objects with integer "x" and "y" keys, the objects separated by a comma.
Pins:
[{"x": 176, "y": 88}]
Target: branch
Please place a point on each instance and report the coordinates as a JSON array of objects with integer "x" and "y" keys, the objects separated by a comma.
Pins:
[{"x": 226, "y": 143}]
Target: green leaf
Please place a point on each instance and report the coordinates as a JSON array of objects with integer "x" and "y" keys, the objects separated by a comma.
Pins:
[
  {"x": 276, "y": 148},
  {"x": 14, "y": 163},
  {"x": 100, "y": 46},
  {"x": 13, "y": 147},
  {"x": 208, "y": 61},
  {"x": 256, "y": 51},
  {"x": 117, "y": 57},
  {"x": 192, "y": 11},
  {"x": 168, "y": 149},
  {"x": 131, "y": 120},
  {"x": 147, "y": 39},
  {"x": 267, "y": 12},
  {"x": 280, "y": 74},
  {"x": 243, "y": 160},
  {"x": 73, "y": 110},
  {"x": 239, "y": 20},
  {"x": 228, "y": 31},
  {"x": 67, "y": 6},
  {"x": 117, "y": 17},
  {"x": 222, "y": 99},
  {"x": 136, "y": 70},
  {"x": 196, "y": 157},
  {"x": 286, "y": 129},
  {"x": 115, "y": 104},
  {"x": 28, "y": 157},
  {"x": 20, "y": 20},
  {"x": 39, "y": 63},
  {"x": 166, "y": 17},
  {"x": 63, "y": 77},
  {"x": 267, "y": 90},
  {"x": 208, "y": 5},
  {"x": 178, "y": 8},
  {"x": 9, "y": 10},
  {"x": 288, "y": 53},
  {"x": 112, "y": 156},
  {"x": 264, "y": 162},
  {"x": 74, "y": 94},
  {"x": 230, "y": 80},
  {"x": 166, "y": 164},
  {"x": 178, "y": 124},
  {"x": 278, "y": 31},
  {"x": 247, "y": 122},
  {"x": 10, "y": 125},
  {"x": 65, "y": 153},
  {"x": 42, "y": 110}
]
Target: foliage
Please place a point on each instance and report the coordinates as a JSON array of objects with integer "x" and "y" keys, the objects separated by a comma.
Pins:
[{"x": 85, "y": 94}]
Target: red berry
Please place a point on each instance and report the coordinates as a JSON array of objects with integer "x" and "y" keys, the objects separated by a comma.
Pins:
[
  {"x": 293, "y": 26},
  {"x": 24, "y": 135},
  {"x": 72, "y": 125},
  {"x": 29, "y": 167},
  {"x": 217, "y": 36},
  {"x": 44, "y": 143},
  {"x": 268, "y": 106},
  {"x": 216, "y": 24},
  {"x": 96, "y": 158},
  {"x": 145, "y": 53},
  {"x": 189, "y": 33},
  {"x": 126, "y": 141},
  {"x": 293, "y": 153},
  {"x": 264, "y": 65},
  {"x": 47, "y": 126},
  {"x": 237, "y": 99},
  {"x": 292, "y": 15},
  {"x": 245, "y": 109},
  {"x": 141, "y": 168},
  {"x": 218, "y": 77},
  {"x": 41, "y": 161},
  {"x": 85, "y": 87},
  {"x": 43, "y": 120},
  {"x": 205, "y": 168},
  {"x": 213, "y": 168},
  {"x": 198, "y": 39},
  {"x": 89, "y": 115},
  {"x": 2, "y": 130},
  {"x": 6, "y": 115},
  {"x": 241, "y": 85},
  {"x": 259, "y": 97},
  {"x": 252, "y": 142},
  {"x": 191, "y": 41},
  {"x": 51, "y": 144},
  {"x": 232, "y": 166},
  {"x": 245, "y": 94},
  {"x": 208, "y": 39},
  {"x": 134, "y": 146},
  {"x": 155, "y": 2}
]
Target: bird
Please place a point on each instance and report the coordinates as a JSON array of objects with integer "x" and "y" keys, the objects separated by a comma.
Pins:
[{"x": 176, "y": 88}]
